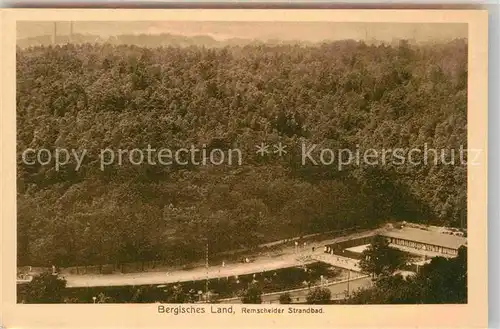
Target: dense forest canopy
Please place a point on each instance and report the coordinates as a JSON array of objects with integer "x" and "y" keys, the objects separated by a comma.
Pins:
[{"x": 343, "y": 94}]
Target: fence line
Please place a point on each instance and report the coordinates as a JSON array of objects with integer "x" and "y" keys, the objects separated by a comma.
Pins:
[
  {"x": 137, "y": 267},
  {"x": 277, "y": 293}
]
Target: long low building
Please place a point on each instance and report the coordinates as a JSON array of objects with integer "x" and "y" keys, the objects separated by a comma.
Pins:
[{"x": 427, "y": 241}]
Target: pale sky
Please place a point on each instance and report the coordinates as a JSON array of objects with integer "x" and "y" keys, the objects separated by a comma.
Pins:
[{"x": 307, "y": 31}]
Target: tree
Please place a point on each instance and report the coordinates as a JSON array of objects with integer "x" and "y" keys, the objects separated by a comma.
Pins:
[
  {"x": 388, "y": 290},
  {"x": 445, "y": 280},
  {"x": 379, "y": 258},
  {"x": 45, "y": 288},
  {"x": 252, "y": 295},
  {"x": 442, "y": 281},
  {"x": 319, "y": 296},
  {"x": 96, "y": 96},
  {"x": 176, "y": 294},
  {"x": 102, "y": 298},
  {"x": 285, "y": 298}
]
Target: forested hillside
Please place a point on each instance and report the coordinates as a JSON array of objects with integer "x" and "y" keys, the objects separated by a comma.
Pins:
[{"x": 344, "y": 94}]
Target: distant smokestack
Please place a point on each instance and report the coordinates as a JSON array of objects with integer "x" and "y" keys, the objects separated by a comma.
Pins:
[
  {"x": 54, "y": 34},
  {"x": 70, "y": 32}
]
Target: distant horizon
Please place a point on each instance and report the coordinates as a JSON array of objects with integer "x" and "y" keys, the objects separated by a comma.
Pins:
[{"x": 262, "y": 31}]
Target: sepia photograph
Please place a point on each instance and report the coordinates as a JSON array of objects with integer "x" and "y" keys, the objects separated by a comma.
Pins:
[
  {"x": 235, "y": 166},
  {"x": 246, "y": 162}
]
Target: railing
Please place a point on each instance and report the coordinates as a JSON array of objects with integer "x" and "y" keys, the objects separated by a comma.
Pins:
[{"x": 298, "y": 290}]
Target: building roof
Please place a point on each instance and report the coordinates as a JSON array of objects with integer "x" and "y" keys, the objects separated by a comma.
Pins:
[
  {"x": 358, "y": 249},
  {"x": 427, "y": 237}
]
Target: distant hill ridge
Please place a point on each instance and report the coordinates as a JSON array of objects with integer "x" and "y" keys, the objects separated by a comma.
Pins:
[{"x": 167, "y": 39}]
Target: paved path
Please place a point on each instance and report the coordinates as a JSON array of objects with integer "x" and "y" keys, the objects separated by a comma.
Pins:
[
  {"x": 264, "y": 265},
  {"x": 182, "y": 276},
  {"x": 289, "y": 256}
]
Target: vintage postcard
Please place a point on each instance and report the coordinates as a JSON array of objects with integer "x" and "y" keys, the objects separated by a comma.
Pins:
[{"x": 246, "y": 168}]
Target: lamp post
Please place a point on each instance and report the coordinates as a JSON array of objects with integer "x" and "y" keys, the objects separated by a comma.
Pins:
[
  {"x": 348, "y": 279},
  {"x": 206, "y": 265}
]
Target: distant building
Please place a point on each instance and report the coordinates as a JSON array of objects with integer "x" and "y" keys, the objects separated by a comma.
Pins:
[
  {"x": 425, "y": 241},
  {"x": 351, "y": 248}
]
